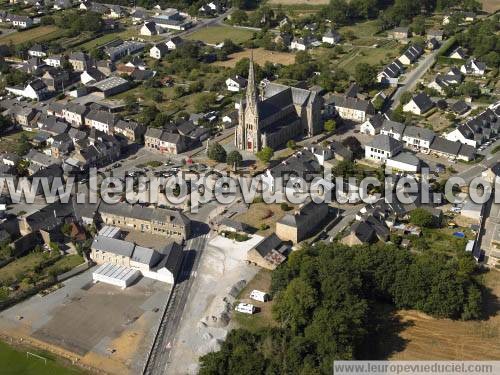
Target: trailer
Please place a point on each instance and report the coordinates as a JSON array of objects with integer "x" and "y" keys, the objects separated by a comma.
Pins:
[
  {"x": 257, "y": 295},
  {"x": 245, "y": 308}
]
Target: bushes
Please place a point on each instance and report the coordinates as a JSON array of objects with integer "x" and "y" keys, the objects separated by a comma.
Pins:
[{"x": 323, "y": 302}]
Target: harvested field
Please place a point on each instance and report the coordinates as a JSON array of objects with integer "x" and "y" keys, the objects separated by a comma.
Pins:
[
  {"x": 490, "y": 6},
  {"x": 260, "y": 56},
  {"x": 217, "y": 34},
  {"x": 427, "y": 338}
]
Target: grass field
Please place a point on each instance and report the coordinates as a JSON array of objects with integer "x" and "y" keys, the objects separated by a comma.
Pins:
[
  {"x": 21, "y": 266},
  {"x": 9, "y": 143},
  {"x": 373, "y": 56},
  {"x": 263, "y": 318},
  {"x": 260, "y": 56},
  {"x": 262, "y": 213},
  {"x": 124, "y": 34},
  {"x": 15, "y": 362},
  {"x": 37, "y": 34},
  {"x": 217, "y": 34}
]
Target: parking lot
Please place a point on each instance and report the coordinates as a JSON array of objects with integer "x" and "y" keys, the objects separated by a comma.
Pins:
[{"x": 99, "y": 324}]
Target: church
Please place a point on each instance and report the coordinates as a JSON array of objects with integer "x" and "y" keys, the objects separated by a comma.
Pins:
[{"x": 279, "y": 114}]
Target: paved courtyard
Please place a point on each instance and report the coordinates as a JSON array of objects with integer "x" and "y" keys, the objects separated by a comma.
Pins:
[{"x": 100, "y": 325}]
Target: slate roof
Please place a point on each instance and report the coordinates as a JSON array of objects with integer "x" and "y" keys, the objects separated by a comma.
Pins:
[
  {"x": 363, "y": 231},
  {"x": 407, "y": 158},
  {"x": 445, "y": 146},
  {"x": 423, "y": 102},
  {"x": 268, "y": 244},
  {"x": 113, "y": 245},
  {"x": 419, "y": 133},
  {"x": 145, "y": 213},
  {"x": 460, "y": 107},
  {"x": 343, "y": 101},
  {"x": 393, "y": 127},
  {"x": 385, "y": 143}
]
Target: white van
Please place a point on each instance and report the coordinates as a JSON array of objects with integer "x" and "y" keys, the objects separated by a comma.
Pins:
[
  {"x": 257, "y": 295},
  {"x": 245, "y": 308}
]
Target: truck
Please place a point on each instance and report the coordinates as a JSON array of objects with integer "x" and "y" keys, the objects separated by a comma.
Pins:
[
  {"x": 257, "y": 295},
  {"x": 245, "y": 308}
]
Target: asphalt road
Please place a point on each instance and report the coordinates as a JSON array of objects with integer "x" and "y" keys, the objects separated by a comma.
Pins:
[
  {"x": 477, "y": 169},
  {"x": 165, "y": 340},
  {"x": 413, "y": 76}
]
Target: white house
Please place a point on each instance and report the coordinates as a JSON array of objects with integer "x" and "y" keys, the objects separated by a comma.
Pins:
[
  {"x": 331, "y": 37},
  {"x": 37, "y": 50},
  {"x": 411, "y": 55},
  {"x": 236, "y": 83},
  {"x": 473, "y": 67},
  {"x": 419, "y": 104},
  {"x": 174, "y": 42},
  {"x": 373, "y": 125},
  {"x": 393, "y": 129},
  {"x": 35, "y": 90},
  {"x": 458, "y": 53},
  {"x": 150, "y": 29},
  {"x": 382, "y": 147},
  {"x": 350, "y": 108},
  {"x": 300, "y": 44},
  {"x": 54, "y": 60},
  {"x": 101, "y": 120},
  {"x": 418, "y": 138},
  {"x": 390, "y": 74},
  {"x": 21, "y": 22},
  {"x": 158, "y": 51}
]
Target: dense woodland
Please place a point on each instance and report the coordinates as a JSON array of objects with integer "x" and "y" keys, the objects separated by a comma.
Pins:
[{"x": 326, "y": 303}]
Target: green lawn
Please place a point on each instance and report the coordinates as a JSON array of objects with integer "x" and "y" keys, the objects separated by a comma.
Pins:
[
  {"x": 124, "y": 34},
  {"x": 15, "y": 362},
  {"x": 21, "y": 266},
  {"x": 37, "y": 34},
  {"x": 373, "y": 56},
  {"x": 9, "y": 143},
  {"x": 361, "y": 29},
  {"x": 217, "y": 34}
]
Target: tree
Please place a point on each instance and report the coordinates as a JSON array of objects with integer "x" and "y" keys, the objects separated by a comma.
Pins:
[
  {"x": 405, "y": 97},
  {"x": 239, "y": 17},
  {"x": 234, "y": 159},
  {"x": 23, "y": 146},
  {"x": 5, "y": 124},
  {"x": 421, "y": 217},
  {"x": 217, "y": 152},
  {"x": 365, "y": 75},
  {"x": 471, "y": 89},
  {"x": 265, "y": 155},
  {"x": 204, "y": 101},
  {"x": 330, "y": 126},
  {"x": 354, "y": 145},
  {"x": 418, "y": 25},
  {"x": 291, "y": 144}
]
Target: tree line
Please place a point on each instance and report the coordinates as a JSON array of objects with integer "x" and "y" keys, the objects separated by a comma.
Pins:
[{"x": 326, "y": 298}]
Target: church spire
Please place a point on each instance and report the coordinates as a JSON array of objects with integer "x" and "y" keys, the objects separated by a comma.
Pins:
[{"x": 251, "y": 87}]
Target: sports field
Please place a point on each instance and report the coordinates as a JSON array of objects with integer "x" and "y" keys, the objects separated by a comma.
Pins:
[{"x": 16, "y": 362}]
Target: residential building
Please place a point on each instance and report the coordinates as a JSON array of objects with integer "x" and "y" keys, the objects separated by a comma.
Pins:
[
  {"x": 269, "y": 253},
  {"x": 130, "y": 130},
  {"x": 299, "y": 225},
  {"x": 37, "y": 50},
  {"x": 411, "y": 55},
  {"x": 54, "y": 60},
  {"x": 116, "y": 52},
  {"x": 236, "y": 83},
  {"x": 75, "y": 114},
  {"x": 35, "y": 90},
  {"x": 435, "y": 34},
  {"x": 79, "y": 61},
  {"x": 419, "y": 104},
  {"x": 150, "y": 28},
  {"x": 331, "y": 37},
  {"x": 153, "y": 220},
  {"x": 165, "y": 141},
  {"x": 301, "y": 44},
  {"x": 382, "y": 147},
  {"x": 418, "y": 138},
  {"x": 473, "y": 67},
  {"x": 393, "y": 129},
  {"x": 373, "y": 124},
  {"x": 350, "y": 108},
  {"x": 390, "y": 74},
  {"x": 56, "y": 79},
  {"x": 101, "y": 120},
  {"x": 174, "y": 42},
  {"x": 400, "y": 33},
  {"x": 458, "y": 53},
  {"x": 158, "y": 51},
  {"x": 21, "y": 22},
  {"x": 91, "y": 76}
]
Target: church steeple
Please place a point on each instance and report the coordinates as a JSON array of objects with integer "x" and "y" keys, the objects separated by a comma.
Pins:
[{"x": 251, "y": 96}]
